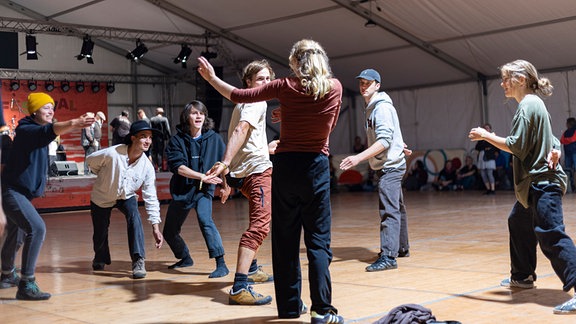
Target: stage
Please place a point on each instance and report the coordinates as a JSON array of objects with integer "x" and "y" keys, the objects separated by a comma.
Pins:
[{"x": 73, "y": 192}]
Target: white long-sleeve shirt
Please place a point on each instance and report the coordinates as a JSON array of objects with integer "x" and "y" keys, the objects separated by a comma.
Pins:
[{"x": 116, "y": 180}]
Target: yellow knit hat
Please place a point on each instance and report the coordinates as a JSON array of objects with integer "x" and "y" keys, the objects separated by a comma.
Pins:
[{"x": 36, "y": 100}]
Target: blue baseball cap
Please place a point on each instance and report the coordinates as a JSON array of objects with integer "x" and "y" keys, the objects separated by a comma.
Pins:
[{"x": 369, "y": 74}]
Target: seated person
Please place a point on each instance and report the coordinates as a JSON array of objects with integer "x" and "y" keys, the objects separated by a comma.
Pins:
[
  {"x": 446, "y": 178},
  {"x": 466, "y": 176},
  {"x": 416, "y": 177}
]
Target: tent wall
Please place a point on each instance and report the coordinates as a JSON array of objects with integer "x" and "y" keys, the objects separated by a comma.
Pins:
[{"x": 431, "y": 118}]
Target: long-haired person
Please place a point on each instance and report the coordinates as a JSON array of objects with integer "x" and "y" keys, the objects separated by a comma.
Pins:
[
  {"x": 537, "y": 216},
  {"x": 310, "y": 102}
]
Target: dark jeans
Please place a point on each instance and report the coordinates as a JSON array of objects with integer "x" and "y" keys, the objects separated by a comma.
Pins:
[
  {"x": 175, "y": 217},
  {"x": 542, "y": 223},
  {"x": 393, "y": 222},
  {"x": 301, "y": 200},
  {"x": 21, "y": 216},
  {"x": 87, "y": 151},
  {"x": 101, "y": 223}
]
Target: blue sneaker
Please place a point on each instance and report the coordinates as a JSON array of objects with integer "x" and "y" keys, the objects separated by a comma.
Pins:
[{"x": 328, "y": 318}]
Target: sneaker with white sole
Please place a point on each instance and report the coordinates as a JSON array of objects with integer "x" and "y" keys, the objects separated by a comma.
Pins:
[
  {"x": 328, "y": 318},
  {"x": 568, "y": 307},
  {"x": 527, "y": 283}
]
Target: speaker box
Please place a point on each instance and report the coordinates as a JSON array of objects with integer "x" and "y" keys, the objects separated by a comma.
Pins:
[{"x": 64, "y": 168}]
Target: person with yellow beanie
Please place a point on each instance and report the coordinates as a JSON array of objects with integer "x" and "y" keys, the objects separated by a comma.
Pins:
[
  {"x": 37, "y": 100},
  {"x": 25, "y": 179}
]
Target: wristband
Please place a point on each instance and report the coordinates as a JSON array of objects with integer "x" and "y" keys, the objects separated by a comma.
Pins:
[{"x": 224, "y": 164}]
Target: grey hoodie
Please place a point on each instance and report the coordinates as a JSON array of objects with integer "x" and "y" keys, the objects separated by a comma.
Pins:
[{"x": 382, "y": 126}]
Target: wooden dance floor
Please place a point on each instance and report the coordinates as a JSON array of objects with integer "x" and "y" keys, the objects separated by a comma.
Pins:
[{"x": 459, "y": 255}]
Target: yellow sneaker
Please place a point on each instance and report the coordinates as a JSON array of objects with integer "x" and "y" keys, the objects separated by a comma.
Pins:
[
  {"x": 259, "y": 276},
  {"x": 247, "y": 296}
]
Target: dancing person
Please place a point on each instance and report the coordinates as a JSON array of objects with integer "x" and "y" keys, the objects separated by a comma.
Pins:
[
  {"x": 539, "y": 183},
  {"x": 247, "y": 163},
  {"x": 309, "y": 106},
  {"x": 191, "y": 153},
  {"x": 386, "y": 156},
  {"x": 24, "y": 178},
  {"x": 113, "y": 166}
]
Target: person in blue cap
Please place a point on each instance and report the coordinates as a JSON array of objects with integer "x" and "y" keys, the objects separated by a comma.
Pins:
[{"x": 386, "y": 156}]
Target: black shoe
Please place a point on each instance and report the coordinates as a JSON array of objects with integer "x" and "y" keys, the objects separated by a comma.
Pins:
[
  {"x": 383, "y": 263},
  {"x": 29, "y": 290},
  {"x": 98, "y": 266}
]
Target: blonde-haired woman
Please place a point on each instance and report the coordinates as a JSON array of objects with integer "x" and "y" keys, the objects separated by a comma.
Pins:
[
  {"x": 309, "y": 106},
  {"x": 537, "y": 216}
]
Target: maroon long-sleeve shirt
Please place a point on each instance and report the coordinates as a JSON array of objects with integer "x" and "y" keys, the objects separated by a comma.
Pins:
[{"x": 306, "y": 123}]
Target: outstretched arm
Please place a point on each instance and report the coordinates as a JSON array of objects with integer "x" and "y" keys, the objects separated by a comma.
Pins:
[{"x": 207, "y": 72}]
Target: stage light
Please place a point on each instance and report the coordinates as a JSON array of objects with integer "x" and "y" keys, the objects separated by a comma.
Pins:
[
  {"x": 32, "y": 85},
  {"x": 65, "y": 86},
  {"x": 370, "y": 23},
  {"x": 80, "y": 86},
  {"x": 110, "y": 87},
  {"x": 95, "y": 87},
  {"x": 15, "y": 85},
  {"x": 49, "y": 85},
  {"x": 138, "y": 52},
  {"x": 31, "y": 53},
  {"x": 86, "y": 51},
  {"x": 183, "y": 55}
]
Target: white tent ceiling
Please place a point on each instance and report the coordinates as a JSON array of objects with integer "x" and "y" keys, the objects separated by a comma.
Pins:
[{"x": 416, "y": 43}]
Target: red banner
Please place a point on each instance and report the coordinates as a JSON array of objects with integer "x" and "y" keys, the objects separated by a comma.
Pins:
[{"x": 70, "y": 104}]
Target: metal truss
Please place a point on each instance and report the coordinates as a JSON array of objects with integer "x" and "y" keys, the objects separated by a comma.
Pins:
[
  {"x": 56, "y": 28},
  {"x": 87, "y": 77}
]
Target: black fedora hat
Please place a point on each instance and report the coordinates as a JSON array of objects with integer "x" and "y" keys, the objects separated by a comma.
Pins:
[{"x": 138, "y": 126}]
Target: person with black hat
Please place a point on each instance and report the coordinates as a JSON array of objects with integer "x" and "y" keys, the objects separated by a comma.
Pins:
[
  {"x": 23, "y": 179},
  {"x": 386, "y": 154},
  {"x": 121, "y": 170}
]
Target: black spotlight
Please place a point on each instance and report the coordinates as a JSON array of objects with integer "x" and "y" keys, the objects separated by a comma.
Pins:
[
  {"x": 65, "y": 86},
  {"x": 80, "y": 86},
  {"x": 95, "y": 86},
  {"x": 14, "y": 85},
  {"x": 138, "y": 52},
  {"x": 86, "y": 51},
  {"x": 49, "y": 85},
  {"x": 183, "y": 55},
  {"x": 110, "y": 87},
  {"x": 32, "y": 85},
  {"x": 31, "y": 53}
]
